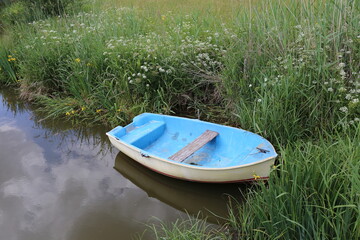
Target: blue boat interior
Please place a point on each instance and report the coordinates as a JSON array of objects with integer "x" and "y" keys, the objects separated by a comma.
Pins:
[{"x": 163, "y": 136}]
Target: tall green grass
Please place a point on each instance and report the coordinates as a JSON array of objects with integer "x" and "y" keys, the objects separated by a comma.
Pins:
[
  {"x": 314, "y": 194},
  {"x": 120, "y": 69},
  {"x": 192, "y": 228},
  {"x": 292, "y": 67},
  {"x": 272, "y": 61}
]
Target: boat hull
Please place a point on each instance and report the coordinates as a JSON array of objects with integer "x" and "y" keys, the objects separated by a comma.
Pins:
[{"x": 248, "y": 172}]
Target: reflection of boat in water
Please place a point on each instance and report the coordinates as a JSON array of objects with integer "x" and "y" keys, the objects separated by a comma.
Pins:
[{"x": 210, "y": 199}]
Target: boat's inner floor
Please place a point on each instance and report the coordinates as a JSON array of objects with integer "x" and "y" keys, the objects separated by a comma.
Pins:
[
  {"x": 164, "y": 148},
  {"x": 209, "y": 156}
]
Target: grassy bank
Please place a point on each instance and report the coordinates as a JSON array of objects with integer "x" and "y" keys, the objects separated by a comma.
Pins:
[
  {"x": 286, "y": 70},
  {"x": 266, "y": 63},
  {"x": 315, "y": 194}
]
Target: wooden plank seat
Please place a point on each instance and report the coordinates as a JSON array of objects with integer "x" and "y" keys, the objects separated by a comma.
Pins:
[{"x": 195, "y": 145}]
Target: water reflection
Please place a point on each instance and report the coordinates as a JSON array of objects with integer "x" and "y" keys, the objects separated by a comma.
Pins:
[
  {"x": 210, "y": 199},
  {"x": 57, "y": 183}
]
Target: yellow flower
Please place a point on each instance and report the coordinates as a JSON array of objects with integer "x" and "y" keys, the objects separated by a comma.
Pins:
[
  {"x": 67, "y": 113},
  {"x": 83, "y": 108},
  {"x": 88, "y": 64},
  {"x": 256, "y": 176},
  {"x": 163, "y": 17},
  {"x": 77, "y": 60},
  {"x": 9, "y": 56},
  {"x": 99, "y": 110},
  {"x": 73, "y": 111},
  {"x": 119, "y": 110}
]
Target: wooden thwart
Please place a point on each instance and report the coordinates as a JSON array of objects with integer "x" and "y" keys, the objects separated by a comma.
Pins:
[{"x": 195, "y": 145}]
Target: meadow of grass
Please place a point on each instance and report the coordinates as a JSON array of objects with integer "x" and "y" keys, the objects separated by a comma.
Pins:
[{"x": 288, "y": 70}]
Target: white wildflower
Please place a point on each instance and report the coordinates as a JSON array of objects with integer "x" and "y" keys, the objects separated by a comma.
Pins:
[
  {"x": 344, "y": 109},
  {"x": 342, "y": 89},
  {"x": 341, "y": 65},
  {"x": 348, "y": 96},
  {"x": 330, "y": 89}
]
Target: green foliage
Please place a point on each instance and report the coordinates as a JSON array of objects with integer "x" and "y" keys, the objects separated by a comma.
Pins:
[
  {"x": 53, "y": 7},
  {"x": 88, "y": 57},
  {"x": 23, "y": 11},
  {"x": 13, "y": 13},
  {"x": 293, "y": 71},
  {"x": 312, "y": 194},
  {"x": 192, "y": 228},
  {"x": 8, "y": 68},
  {"x": 252, "y": 68}
]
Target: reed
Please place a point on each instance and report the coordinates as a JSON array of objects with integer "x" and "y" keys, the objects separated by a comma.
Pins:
[
  {"x": 312, "y": 194},
  {"x": 184, "y": 229},
  {"x": 270, "y": 61}
]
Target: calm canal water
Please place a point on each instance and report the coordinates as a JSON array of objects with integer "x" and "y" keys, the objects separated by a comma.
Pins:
[{"x": 61, "y": 183}]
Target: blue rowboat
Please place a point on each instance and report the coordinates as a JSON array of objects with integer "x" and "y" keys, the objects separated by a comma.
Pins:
[{"x": 194, "y": 150}]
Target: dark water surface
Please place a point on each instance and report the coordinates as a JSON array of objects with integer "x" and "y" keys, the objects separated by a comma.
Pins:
[{"x": 57, "y": 182}]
